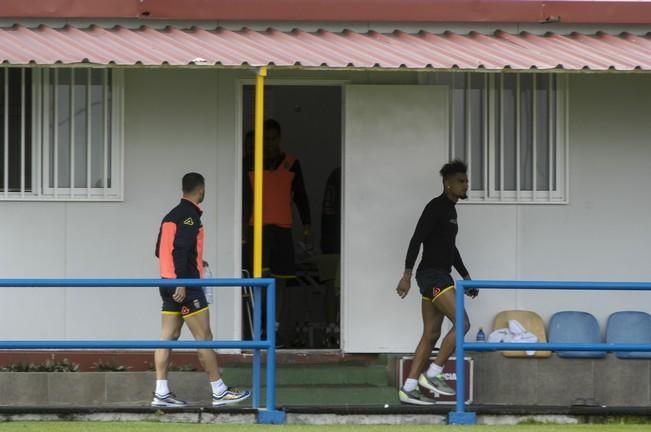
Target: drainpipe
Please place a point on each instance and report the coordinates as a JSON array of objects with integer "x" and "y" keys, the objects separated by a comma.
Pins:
[{"x": 257, "y": 176}]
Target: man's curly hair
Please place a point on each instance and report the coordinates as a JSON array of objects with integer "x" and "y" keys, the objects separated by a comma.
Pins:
[{"x": 454, "y": 167}]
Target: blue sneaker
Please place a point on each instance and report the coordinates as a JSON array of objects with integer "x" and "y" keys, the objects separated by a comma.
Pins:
[
  {"x": 168, "y": 400},
  {"x": 230, "y": 396}
]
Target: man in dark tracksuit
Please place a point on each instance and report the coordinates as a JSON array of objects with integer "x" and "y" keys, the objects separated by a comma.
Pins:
[
  {"x": 179, "y": 249},
  {"x": 436, "y": 230}
]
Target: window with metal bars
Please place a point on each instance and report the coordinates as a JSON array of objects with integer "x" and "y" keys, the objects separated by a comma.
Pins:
[
  {"x": 60, "y": 134},
  {"x": 16, "y": 130},
  {"x": 510, "y": 128}
]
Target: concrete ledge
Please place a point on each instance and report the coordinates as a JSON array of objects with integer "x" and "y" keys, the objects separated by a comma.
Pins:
[
  {"x": 368, "y": 419},
  {"x": 561, "y": 382}
]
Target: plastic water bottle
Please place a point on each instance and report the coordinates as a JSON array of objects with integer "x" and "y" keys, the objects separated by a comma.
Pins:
[
  {"x": 481, "y": 336},
  {"x": 207, "y": 290}
]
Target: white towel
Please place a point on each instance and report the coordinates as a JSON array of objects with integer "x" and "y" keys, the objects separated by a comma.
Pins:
[{"x": 514, "y": 333}]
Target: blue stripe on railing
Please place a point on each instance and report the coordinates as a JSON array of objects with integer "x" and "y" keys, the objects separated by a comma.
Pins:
[
  {"x": 512, "y": 346},
  {"x": 88, "y": 283},
  {"x": 130, "y": 344},
  {"x": 256, "y": 344},
  {"x": 460, "y": 416},
  {"x": 557, "y": 285}
]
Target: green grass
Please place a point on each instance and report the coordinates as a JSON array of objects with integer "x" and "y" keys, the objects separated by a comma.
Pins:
[{"x": 179, "y": 427}]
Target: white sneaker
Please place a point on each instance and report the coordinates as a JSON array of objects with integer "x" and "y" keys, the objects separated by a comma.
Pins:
[
  {"x": 436, "y": 384},
  {"x": 230, "y": 396},
  {"x": 168, "y": 400}
]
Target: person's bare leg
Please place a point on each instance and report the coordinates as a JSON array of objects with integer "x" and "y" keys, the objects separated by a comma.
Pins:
[
  {"x": 445, "y": 303},
  {"x": 199, "y": 326},
  {"x": 432, "y": 320},
  {"x": 170, "y": 330}
]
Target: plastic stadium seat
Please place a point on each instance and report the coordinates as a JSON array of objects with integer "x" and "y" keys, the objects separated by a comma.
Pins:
[
  {"x": 629, "y": 327},
  {"x": 575, "y": 327},
  {"x": 530, "y": 321}
]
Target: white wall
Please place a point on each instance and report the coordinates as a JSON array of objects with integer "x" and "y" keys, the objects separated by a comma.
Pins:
[{"x": 387, "y": 172}]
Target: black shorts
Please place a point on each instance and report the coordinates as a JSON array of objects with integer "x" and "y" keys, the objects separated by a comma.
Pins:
[
  {"x": 433, "y": 283},
  {"x": 194, "y": 303},
  {"x": 277, "y": 251}
]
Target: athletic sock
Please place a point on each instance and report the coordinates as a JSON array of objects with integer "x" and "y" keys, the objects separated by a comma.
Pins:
[
  {"x": 434, "y": 370},
  {"x": 410, "y": 384},
  {"x": 218, "y": 387},
  {"x": 162, "y": 388}
]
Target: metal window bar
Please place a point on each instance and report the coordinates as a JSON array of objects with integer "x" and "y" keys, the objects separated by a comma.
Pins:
[
  {"x": 460, "y": 416},
  {"x": 267, "y": 415},
  {"x": 5, "y": 180},
  {"x": 72, "y": 132},
  {"x": 22, "y": 132},
  {"x": 452, "y": 116},
  {"x": 37, "y": 132},
  {"x": 490, "y": 148},
  {"x": 501, "y": 102},
  {"x": 517, "y": 137},
  {"x": 534, "y": 171},
  {"x": 88, "y": 132},
  {"x": 566, "y": 134},
  {"x": 485, "y": 136},
  {"x": 119, "y": 158},
  {"x": 105, "y": 93},
  {"x": 468, "y": 124},
  {"x": 55, "y": 131},
  {"x": 550, "y": 135}
]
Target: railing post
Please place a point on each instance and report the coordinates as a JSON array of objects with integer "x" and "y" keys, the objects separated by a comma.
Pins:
[
  {"x": 460, "y": 416},
  {"x": 271, "y": 352},
  {"x": 271, "y": 415},
  {"x": 257, "y": 321}
]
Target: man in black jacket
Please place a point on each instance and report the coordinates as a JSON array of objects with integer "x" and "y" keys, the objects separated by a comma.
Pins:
[
  {"x": 179, "y": 249},
  {"x": 436, "y": 230}
]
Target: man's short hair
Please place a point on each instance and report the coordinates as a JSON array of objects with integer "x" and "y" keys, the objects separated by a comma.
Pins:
[
  {"x": 454, "y": 167},
  {"x": 191, "y": 181},
  {"x": 273, "y": 125}
]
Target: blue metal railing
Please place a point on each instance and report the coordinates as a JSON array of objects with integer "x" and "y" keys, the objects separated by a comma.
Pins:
[
  {"x": 460, "y": 416},
  {"x": 267, "y": 415}
]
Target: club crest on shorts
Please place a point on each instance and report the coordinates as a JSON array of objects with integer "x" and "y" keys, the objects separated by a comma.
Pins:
[
  {"x": 185, "y": 310},
  {"x": 436, "y": 291}
]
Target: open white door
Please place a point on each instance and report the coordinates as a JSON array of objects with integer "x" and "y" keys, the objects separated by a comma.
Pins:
[{"x": 396, "y": 140}]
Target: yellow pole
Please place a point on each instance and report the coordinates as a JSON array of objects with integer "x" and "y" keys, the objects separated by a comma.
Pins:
[{"x": 257, "y": 173}]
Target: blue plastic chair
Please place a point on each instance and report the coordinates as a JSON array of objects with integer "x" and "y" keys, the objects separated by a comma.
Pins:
[
  {"x": 630, "y": 327},
  {"x": 575, "y": 327}
]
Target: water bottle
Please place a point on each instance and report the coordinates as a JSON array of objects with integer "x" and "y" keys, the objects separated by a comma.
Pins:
[
  {"x": 207, "y": 290},
  {"x": 481, "y": 336}
]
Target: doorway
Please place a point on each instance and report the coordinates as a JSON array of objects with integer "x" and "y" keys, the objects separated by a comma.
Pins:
[{"x": 310, "y": 121}]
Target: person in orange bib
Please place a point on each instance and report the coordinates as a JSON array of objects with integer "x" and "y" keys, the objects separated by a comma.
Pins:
[{"x": 283, "y": 184}]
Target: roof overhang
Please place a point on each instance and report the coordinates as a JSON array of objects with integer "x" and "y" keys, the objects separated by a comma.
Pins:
[{"x": 220, "y": 47}]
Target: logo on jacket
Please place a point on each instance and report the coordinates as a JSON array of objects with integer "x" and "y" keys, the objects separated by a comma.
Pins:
[{"x": 188, "y": 221}]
